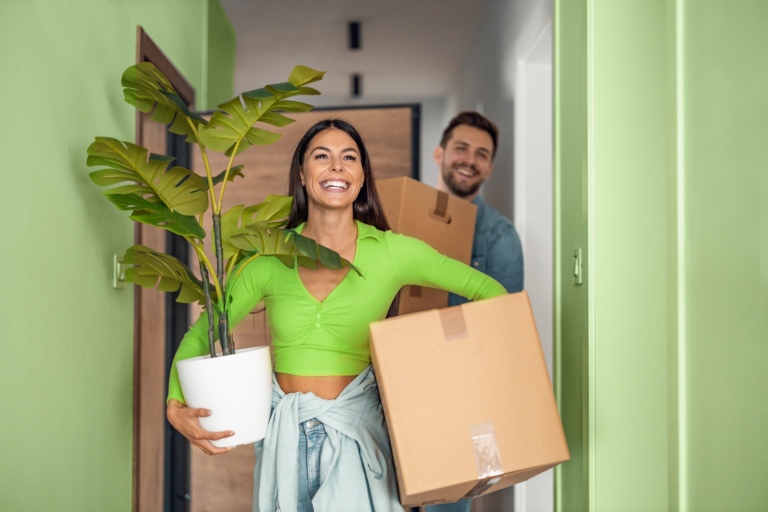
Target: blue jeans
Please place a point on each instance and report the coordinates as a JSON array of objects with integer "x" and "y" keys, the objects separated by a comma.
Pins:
[
  {"x": 460, "y": 506},
  {"x": 311, "y": 438}
]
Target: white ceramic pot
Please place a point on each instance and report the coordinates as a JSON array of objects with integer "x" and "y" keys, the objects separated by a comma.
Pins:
[{"x": 236, "y": 388}]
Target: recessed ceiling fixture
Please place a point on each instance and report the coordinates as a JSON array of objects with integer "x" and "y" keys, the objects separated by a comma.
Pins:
[
  {"x": 357, "y": 85},
  {"x": 355, "y": 41}
]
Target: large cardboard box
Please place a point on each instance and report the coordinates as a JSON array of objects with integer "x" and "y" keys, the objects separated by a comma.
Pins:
[
  {"x": 467, "y": 399},
  {"x": 445, "y": 222}
]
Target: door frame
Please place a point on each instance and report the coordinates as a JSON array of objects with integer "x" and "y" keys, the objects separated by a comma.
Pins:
[
  {"x": 148, "y": 51},
  {"x": 534, "y": 219}
]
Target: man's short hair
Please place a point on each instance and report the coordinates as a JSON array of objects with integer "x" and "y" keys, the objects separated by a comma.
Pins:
[{"x": 475, "y": 120}]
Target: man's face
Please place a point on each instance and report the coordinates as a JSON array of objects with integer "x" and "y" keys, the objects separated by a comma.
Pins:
[{"x": 465, "y": 163}]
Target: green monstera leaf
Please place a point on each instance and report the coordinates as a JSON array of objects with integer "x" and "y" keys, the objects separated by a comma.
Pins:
[
  {"x": 284, "y": 244},
  {"x": 234, "y": 126},
  {"x": 234, "y": 172},
  {"x": 146, "y": 87},
  {"x": 152, "y": 269},
  {"x": 271, "y": 213},
  {"x": 157, "y": 214},
  {"x": 180, "y": 189},
  {"x": 230, "y": 226},
  {"x": 238, "y": 220}
]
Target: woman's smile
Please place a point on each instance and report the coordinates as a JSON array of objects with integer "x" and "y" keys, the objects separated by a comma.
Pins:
[{"x": 335, "y": 185}]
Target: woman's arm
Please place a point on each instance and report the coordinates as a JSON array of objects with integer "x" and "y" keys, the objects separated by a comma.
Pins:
[
  {"x": 419, "y": 264},
  {"x": 248, "y": 291}
]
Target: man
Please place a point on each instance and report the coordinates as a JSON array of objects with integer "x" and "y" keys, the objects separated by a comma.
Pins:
[{"x": 465, "y": 159}]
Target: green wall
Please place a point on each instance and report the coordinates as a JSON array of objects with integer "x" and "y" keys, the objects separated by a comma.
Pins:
[
  {"x": 664, "y": 103},
  {"x": 219, "y": 57},
  {"x": 725, "y": 236},
  {"x": 67, "y": 335}
]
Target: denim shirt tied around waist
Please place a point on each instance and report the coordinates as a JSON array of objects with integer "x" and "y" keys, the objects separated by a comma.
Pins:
[
  {"x": 356, "y": 466},
  {"x": 496, "y": 250}
]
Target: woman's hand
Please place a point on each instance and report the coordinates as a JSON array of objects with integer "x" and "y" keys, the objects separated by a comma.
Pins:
[{"x": 184, "y": 419}]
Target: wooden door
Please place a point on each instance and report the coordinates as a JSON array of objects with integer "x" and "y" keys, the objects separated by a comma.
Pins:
[
  {"x": 225, "y": 482},
  {"x": 150, "y": 362}
]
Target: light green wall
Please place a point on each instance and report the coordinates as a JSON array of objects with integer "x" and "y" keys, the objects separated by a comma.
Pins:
[
  {"x": 664, "y": 104},
  {"x": 629, "y": 195},
  {"x": 67, "y": 335},
  {"x": 725, "y": 169},
  {"x": 220, "y": 56}
]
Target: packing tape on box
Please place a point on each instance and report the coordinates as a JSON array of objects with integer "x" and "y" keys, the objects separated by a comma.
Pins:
[
  {"x": 454, "y": 326},
  {"x": 441, "y": 208},
  {"x": 487, "y": 458}
]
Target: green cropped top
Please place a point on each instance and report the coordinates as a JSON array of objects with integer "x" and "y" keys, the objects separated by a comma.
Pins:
[{"x": 331, "y": 337}]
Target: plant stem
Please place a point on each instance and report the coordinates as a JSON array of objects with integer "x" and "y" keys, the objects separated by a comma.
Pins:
[
  {"x": 226, "y": 349},
  {"x": 244, "y": 264},
  {"x": 207, "y": 166},
  {"x": 209, "y": 310},
  {"x": 202, "y": 257},
  {"x": 232, "y": 280},
  {"x": 226, "y": 175},
  {"x": 232, "y": 263}
]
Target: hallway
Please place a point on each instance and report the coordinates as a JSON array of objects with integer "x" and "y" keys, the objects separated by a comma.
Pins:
[{"x": 630, "y": 160}]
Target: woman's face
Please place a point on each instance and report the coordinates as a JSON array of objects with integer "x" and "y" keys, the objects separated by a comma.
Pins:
[{"x": 332, "y": 172}]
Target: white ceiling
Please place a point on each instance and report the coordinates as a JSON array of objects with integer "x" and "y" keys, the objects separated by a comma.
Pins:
[{"x": 410, "y": 48}]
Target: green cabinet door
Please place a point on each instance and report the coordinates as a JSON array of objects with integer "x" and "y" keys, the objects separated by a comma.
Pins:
[{"x": 661, "y": 120}]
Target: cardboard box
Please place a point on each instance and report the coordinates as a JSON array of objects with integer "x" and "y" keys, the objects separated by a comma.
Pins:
[
  {"x": 445, "y": 222},
  {"x": 467, "y": 398}
]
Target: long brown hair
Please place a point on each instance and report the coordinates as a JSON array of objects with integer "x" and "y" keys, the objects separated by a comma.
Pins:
[{"x": 367, "y": 205}]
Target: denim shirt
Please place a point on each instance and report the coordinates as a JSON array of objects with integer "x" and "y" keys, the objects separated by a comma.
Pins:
[
  {"x": 496, "y": 250},
  {"x": 357, "y": 472}
]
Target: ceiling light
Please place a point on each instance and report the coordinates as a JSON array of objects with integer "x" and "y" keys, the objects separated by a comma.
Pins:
[
  {"x": 357, "y": 85},
  {"x": 355, "y": 41}
]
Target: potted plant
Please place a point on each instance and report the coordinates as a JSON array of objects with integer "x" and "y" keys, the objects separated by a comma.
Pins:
[{"x": 238, "y": 385}]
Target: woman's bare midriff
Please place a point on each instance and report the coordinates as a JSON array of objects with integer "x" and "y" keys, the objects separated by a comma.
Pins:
[{"x": 324, "y": 387}]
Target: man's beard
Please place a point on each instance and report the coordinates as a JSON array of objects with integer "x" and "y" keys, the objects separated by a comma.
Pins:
[{"x": 460, "y": 189}]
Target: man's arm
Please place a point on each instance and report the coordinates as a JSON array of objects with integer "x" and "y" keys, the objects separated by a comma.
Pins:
[{"x": 504, "y": 259}]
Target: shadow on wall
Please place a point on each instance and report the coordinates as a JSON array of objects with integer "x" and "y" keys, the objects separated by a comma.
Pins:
[{"x": 486, "y": 82}]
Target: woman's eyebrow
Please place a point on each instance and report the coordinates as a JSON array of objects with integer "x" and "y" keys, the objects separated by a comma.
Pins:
[
  {"x": 319, "y": 147},
  {"x": 349, "y": 149}
]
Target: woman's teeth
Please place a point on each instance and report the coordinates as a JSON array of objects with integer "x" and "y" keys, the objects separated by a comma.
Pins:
[{"x": 338, "y": 185}]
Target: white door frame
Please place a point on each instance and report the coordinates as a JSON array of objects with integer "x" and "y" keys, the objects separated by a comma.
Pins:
[{"x": 534, "y": 217}]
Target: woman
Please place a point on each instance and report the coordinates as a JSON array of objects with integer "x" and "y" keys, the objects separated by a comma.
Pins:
[{"x": 327, "y": 447}]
